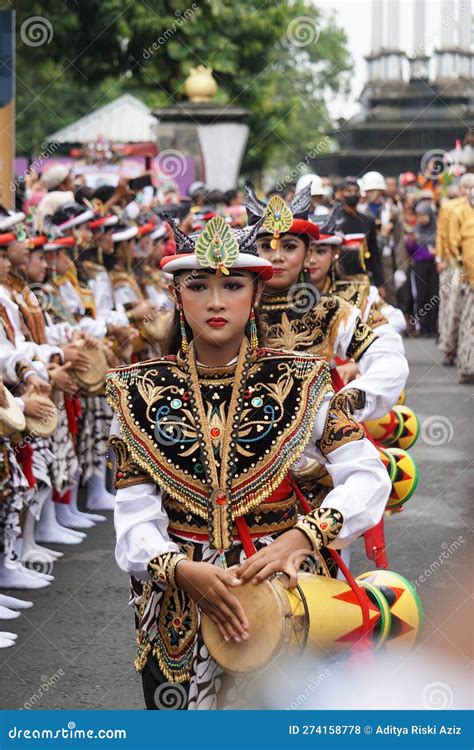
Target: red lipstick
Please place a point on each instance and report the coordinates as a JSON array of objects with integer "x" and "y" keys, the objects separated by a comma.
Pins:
[{"x": 216, "y": 322}]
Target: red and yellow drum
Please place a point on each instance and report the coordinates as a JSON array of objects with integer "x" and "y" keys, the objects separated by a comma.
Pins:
[
  {"x": 385, "y": 429},
  {"x": 408, "y": 435},
  {"x": 405, "y": 607},
  {"x": 405, "y": 481},
  {"x": 322, "y": 615}
]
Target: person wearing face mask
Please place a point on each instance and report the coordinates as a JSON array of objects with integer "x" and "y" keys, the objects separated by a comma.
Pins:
[
  {"x": 351, "y": 221},
  {"x": 461, "y": 240}
]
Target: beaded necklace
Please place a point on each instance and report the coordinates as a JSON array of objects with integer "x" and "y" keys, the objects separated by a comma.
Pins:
[{"x": 220, "y": 521}]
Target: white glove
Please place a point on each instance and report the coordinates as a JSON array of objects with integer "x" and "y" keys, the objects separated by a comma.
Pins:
[{"x": 399, "y": 278}]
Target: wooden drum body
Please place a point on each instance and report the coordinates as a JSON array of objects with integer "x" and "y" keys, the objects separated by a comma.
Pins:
[
  {"x": 322, "y": 615},
  {"x": 92, "y": 381},
  {"x": 12, "y": 418}
]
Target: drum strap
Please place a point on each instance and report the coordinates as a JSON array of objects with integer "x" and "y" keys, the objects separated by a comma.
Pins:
[{"x": 244, "y": 536}]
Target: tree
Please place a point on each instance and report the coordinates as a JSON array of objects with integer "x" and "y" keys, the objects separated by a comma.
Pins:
[{"x": 279, "y": 60}]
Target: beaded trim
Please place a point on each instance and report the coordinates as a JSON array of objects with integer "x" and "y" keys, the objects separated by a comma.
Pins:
[
  {"x": 309, "y": 375},
  {"x": 162, "y": 567},
  {"x": 321, "y": 526}
]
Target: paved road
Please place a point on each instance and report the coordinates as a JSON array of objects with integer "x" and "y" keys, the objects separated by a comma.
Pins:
[{"x": 79, "y": 635}]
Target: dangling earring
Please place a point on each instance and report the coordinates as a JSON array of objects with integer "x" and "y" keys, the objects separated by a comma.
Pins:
[
  {"x": 182, "y": 325},
  {"x": 100, "y": 255},
  {"x": 253, "y": 330},
  {"x": 334, "y": 267}
]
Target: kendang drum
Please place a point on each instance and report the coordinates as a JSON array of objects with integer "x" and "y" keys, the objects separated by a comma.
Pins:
[
  {"x": 408, "y": 435},
  {"x": 406, "y": 610},
  {"x": 385, "y": 430},
  {"x": 92, "y": 381},
  {"x": 12, "y": 418},
  {"x": 43, "y": 427},
  {"x": 405, "y": 479},
  {"x": 321, "y": 615}
]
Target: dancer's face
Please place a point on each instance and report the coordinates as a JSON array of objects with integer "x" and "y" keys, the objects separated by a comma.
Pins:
[
  {"x": 105, "y": 242},
  {"x": 216, "y": 307},
  {"x": 19, "y": 253},
  {"x": 287, "y": 259},
  {"x": 37, "y": 266},
  {"x": 319, "y": 263}
]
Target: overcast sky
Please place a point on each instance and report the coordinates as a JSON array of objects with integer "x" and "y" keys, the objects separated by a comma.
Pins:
[{"x": 355, "y": 17}]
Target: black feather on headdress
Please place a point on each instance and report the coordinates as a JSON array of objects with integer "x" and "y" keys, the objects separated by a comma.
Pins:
[{"x": 184, "y": 243}]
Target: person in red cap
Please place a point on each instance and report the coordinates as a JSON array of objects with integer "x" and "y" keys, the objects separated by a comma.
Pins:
[{"x": 295, "y": 316}]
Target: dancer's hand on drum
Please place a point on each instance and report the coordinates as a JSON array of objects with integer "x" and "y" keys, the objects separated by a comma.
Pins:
[
  {"x": 76, "y": 357},
  {"x": 37, "y": 406},
  {"x": 85, "y": 338},
  {"x": 208, "y": 586},
  {"x": 62, "y": 379},
  {"x": 284, "y": 555},
  {"x": 37, "y": 384}
]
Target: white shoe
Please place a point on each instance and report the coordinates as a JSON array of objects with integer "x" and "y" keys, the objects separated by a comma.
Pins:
[
  {"x": 98, "y": 497},
  {"x": 19, "y": 577},
  {"x": 14, "y": 603},
  {"x": 66, "y": 517},
  {"x": 8, "y": 614},
  {"x": 49, "y": 531},
  {"x": 6, "y": 642},
  {"x": 94, "y": 517}
]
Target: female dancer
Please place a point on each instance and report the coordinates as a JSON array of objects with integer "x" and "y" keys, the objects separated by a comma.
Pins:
[
  {"x": 204, "y": 440},
  {"x": 295, "y": 316}
]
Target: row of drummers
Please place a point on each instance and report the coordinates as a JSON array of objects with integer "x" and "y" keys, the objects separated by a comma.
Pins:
[
  {"x": 76, "y": 304},
  {"x": 70, "y": 309}
]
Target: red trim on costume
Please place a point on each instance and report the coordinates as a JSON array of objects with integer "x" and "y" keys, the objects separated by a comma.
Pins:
[{"x": 24, "y": 454}]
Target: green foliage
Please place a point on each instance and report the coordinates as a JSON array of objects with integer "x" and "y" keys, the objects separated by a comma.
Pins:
[{"x": 103, "y": 48}]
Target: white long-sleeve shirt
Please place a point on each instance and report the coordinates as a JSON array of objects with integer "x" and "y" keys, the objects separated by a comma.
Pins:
[
  {"x": 108, "y": 310},
  {"x": 361, "y": 490},
  {"x": 383, "y": 368}
]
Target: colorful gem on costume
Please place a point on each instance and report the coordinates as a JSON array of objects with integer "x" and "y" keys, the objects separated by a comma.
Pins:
[
  {"x": 257, "y": 401},
  {"x": 176, "y": 403},
  {"x": 215, "y": 432},
  {"x": 217, "y": 246}
]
